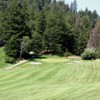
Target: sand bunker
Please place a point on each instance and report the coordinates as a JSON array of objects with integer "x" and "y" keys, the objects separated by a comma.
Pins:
[{"x": 36, "y": 63}]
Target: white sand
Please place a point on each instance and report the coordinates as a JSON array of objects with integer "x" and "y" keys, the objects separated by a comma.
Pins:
[{"x": 36, "y": 63}]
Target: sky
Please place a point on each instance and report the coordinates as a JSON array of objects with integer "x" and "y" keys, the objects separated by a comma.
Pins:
[{"x": 90, "y": 4}]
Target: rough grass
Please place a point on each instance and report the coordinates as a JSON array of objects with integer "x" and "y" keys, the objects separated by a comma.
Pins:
[
  {"x": 57, "y": 78},
  {"x": 2, "y": 56}
]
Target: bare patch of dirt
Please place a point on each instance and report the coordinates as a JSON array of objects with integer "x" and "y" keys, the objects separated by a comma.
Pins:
[{"x": 76, "y": 57}]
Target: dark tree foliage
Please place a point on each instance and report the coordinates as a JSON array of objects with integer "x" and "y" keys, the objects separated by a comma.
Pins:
[
  {"x": 45, "y": 26},
  {"x": 54, "y": 32},
  {"x": 15, "y": 27},
  {"x": 16, "y": 22},
  {"x": 12, "y": 48},
  {"x": 3, "y": 7}
]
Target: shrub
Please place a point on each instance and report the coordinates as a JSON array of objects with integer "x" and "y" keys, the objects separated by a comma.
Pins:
[
  {"x": 66, "y": 54},
  {"x": 10, "y": 59},
  {"x": 98, "y": 52},
  {"x": 89, "y": 54}
]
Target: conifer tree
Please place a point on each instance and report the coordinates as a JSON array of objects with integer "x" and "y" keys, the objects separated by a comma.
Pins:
[{"x": 15, "y": 27}]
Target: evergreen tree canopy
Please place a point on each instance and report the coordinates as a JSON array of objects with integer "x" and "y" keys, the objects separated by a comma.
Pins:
[{"x": 46, "y": 25}]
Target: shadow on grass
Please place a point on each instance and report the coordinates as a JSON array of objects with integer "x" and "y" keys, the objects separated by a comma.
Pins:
[{"x": 35, "y": 57}]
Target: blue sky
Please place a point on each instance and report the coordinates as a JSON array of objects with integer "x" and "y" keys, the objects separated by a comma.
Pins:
[{"x": 90, "y": 4}]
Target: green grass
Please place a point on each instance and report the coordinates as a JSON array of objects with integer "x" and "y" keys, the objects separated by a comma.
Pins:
[
  {"x": 2, "y": 56},
  {"x": 57, "y": 78}
]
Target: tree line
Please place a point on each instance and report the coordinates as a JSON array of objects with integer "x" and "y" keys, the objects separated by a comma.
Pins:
[{"x": 46, "y": 26}]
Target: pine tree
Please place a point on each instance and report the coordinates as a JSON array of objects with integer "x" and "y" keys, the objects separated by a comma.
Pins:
[
  {"x": 55, "y": 29},
  {"x": 82, "y": 35},
  {"x": 16, "y": 22},
  {"x": 15, "y": 28},
  {"x": 12, "y": 48},
  {"x": 94, "y": 41},
  {"x": 73, "y": 6},
  {"x": 3, "y": 7},
  {"x": 40, "y": 23}
]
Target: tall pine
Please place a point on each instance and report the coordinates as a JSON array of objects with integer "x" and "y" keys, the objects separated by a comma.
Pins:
[{"x": 15, "y": 28}]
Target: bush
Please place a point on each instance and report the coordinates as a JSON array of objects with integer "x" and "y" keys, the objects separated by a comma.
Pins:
[
  {"x": 10, "y": 59},
  {"x": 89, "y": 54},
  {"x": 66, "y": 54},
  {"x": 98, "y": 52}
]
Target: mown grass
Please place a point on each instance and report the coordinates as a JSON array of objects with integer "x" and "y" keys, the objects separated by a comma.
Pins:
[{"x": 57, "y": 78}]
